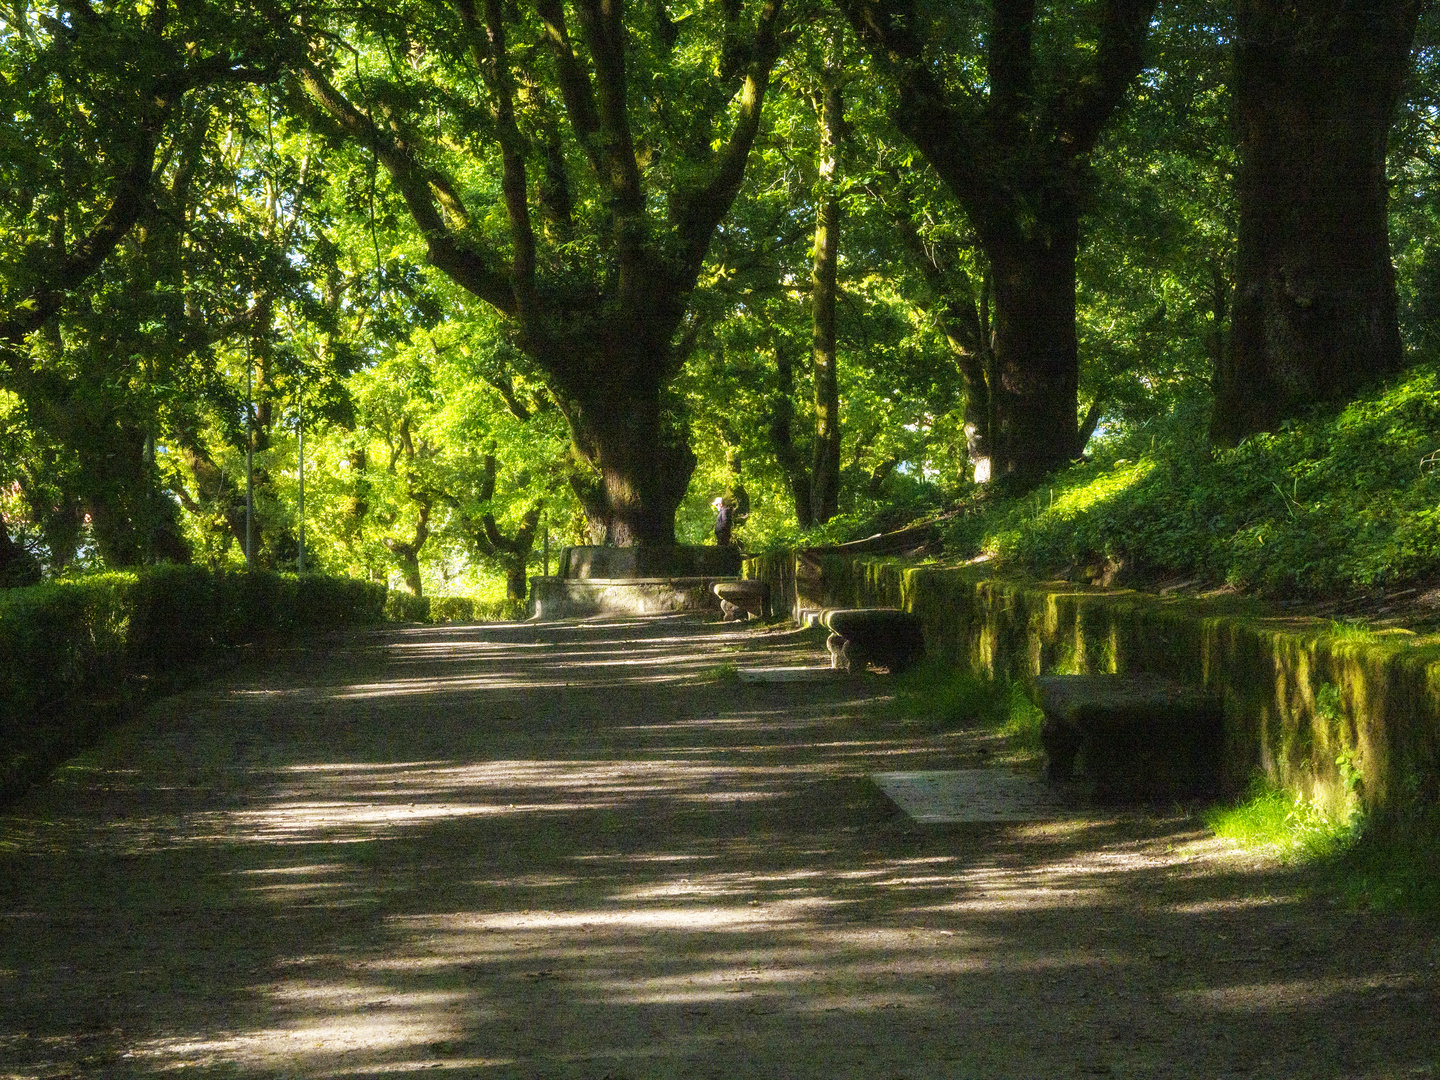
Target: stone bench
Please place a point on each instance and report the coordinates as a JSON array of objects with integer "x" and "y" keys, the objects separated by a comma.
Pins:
[
  {"x": 743, "y": 599},
  {"x": 1136, "y": 737},
  {"x": 885, "y": 637}
]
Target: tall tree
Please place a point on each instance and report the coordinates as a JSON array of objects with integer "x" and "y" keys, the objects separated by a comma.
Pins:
[
  {"x": 1315, "y": 314},
  {"x": 824, "y": 288},
  {"x": 107, "y": 124},
  {"x": 1015, "y": 153},
  {"x": 600, "y": 254}
]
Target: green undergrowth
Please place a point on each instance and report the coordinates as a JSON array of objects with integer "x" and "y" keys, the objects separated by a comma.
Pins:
[
  {"x": 1341, "y": 504},
  {"x": 938, "y": 693},
  {"x": 1391, "y": 865},
  {"x": 1284, "y": 824},
  {"x": 726, "y": 672}
]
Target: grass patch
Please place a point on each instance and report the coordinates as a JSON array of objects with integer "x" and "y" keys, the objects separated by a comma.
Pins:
[
  {"x": 1276, "y": 516},
  {"x": 948, "y": 697},
  {"x": 1394, "y": 868},
  {"x": 1289, "y": 826},
  {"x": 1366, "y": 866},
  {"x": 728, "y": 672}
]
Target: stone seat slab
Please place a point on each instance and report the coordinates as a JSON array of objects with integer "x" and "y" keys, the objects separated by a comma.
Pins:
[
  {"x": 1134, "y": 737},
  {"x": 743, "y": 599},
  {"x": 886, "y": 637}
]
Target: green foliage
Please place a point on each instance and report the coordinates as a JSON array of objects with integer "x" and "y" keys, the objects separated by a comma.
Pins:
[
  {"x": 952, "y": 698},
  {"x": 401, "y": 606},
  {"x": 507, "y": 610},
  {"x": 1394, "y": 866},
  {"x": 1337, "y": 505},
  {"x": 451, "y": 609},
  {"x": 1287, "y": 825},
  {"x": 728, "y": 672}
]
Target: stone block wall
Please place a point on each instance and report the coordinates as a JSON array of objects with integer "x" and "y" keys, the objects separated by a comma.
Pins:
[{"x": 1307, "y": 704}]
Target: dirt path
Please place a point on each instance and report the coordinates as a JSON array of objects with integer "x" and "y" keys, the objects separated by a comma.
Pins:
[{"x": 567, "y": 851}]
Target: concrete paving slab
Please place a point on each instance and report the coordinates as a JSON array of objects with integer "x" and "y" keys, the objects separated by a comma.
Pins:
[
  {"x": 961, "y": 795},
  {"x": 788, "y": 674}
]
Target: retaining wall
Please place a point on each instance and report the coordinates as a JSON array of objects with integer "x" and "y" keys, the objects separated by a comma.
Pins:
[{"x": 1312, "y": 706}]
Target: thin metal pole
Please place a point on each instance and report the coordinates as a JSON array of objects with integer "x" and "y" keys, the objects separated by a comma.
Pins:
[
  {"x": 249, "y": 459},
  {"x": 300, "y": 419}
]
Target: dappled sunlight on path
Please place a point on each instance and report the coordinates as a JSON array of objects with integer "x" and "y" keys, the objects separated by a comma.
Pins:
[{"x": 580, "y": 850}]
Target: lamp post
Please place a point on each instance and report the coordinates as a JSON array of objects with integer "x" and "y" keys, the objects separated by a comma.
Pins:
[
  {"x": 249, "y": 460},
  {"x": 300, "y": 423}
]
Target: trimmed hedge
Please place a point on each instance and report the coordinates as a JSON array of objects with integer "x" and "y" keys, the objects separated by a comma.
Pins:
[
  {"x": 406, "y": 607},
  {"x": 71, "y": 652}
]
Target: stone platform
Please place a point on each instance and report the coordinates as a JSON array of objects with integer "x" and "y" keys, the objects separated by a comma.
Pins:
[
  {"x": 596, "y": 580},
  {"x": 953, "y": 796},
  {"x": 563, "y": 598}
]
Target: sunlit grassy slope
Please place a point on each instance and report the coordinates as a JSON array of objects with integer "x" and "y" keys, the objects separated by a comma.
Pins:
[{"x": 1335, "y": 506}]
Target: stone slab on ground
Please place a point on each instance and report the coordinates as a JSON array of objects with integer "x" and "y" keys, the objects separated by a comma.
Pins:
[
  {"x": 788, "y": 674},
  {"x": 948, "y": 796}
]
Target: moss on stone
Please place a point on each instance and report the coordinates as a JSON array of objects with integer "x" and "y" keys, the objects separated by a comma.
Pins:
[{"x": 1376, "y": 739}]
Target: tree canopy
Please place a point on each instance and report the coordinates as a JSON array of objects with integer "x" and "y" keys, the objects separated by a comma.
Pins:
[{"x": 537, "y": 273}]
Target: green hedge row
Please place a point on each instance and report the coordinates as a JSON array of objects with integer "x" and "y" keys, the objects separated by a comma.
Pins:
[
  {"x": 71, "y": 652},
  {"x": 406, "y": 607}
]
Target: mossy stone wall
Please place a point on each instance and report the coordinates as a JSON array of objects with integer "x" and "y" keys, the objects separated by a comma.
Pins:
[{"x": 1312, "y": 706}]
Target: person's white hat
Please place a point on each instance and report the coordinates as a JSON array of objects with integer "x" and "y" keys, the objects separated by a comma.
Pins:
[{"x": 718, "y": 501}]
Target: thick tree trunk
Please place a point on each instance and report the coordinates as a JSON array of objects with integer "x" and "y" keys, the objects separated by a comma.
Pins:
[
  {"x": 642, "y": 456},
  {"x": 1314, "y": 316},
  {"x": 407, "y": 552},
  {"x": 825, "y": 467},
  {"x": 1016, "y": 158},
  {"x": 511, "y": 552},
  {"x": 1033, "y": 396}
]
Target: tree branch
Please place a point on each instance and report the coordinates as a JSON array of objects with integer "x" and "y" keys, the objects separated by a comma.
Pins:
[
  {"x": 1120, "y": 57},
  {"x": 702, "y": 210},
  {"x": 575, "y": 89},
  {"x": 494, "y": 61},
  {"x": 422, "y": 191}
]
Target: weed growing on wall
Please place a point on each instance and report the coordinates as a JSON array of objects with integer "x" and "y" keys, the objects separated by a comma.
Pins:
[{"x": 1289, "y": 826}]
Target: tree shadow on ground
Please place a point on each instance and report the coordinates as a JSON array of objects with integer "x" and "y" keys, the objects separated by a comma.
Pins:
[{"x": 572, "y": 851}]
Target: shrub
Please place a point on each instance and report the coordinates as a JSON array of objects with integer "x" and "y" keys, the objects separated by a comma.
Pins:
[
  {"x": 407, "y": 607},
  {"x": 508, "y": 610},
  {"x": 70, "y": 652},
  {"x": 446, "y": 609}
]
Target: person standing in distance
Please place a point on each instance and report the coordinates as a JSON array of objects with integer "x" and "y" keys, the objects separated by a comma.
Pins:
[{"x": 724, "y": 520}]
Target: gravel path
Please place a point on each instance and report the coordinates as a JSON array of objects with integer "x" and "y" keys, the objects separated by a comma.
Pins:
[{"x": 577, "y": 851}]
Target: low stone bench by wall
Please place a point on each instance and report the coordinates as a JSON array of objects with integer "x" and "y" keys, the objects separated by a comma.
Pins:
[{"x": 1309, "y": 705}]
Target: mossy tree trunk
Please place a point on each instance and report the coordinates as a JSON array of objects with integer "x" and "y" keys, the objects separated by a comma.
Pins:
[{"x": 1315, "y": 311}]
